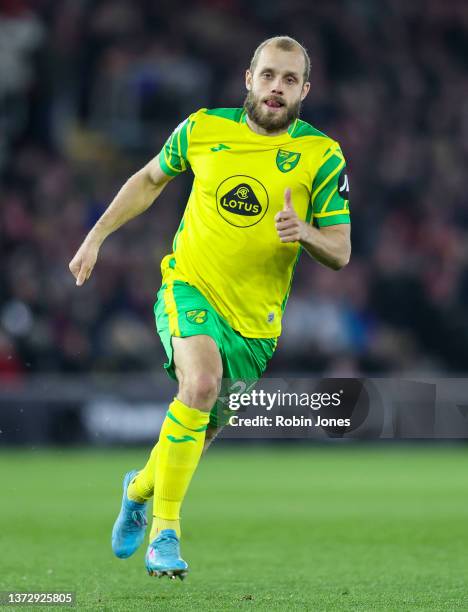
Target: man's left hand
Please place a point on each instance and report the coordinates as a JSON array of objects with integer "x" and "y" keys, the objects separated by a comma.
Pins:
[{"x": 288, "y": 225}]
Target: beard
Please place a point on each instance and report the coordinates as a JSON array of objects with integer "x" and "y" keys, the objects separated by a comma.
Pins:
[{"x": 270, "y": 121}]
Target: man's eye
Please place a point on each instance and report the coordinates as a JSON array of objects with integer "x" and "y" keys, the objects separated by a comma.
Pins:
[
  {"x": 267, "y": 75},
  {"x": 291, "y": 80}
]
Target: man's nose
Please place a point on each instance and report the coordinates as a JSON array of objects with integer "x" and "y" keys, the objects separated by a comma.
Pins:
[{"x": 277, "y": 87}]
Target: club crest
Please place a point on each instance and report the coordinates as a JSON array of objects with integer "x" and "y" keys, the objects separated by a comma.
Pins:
[
  {"x": 196, "y": 316},
  {"x": 287, "y": 160}
]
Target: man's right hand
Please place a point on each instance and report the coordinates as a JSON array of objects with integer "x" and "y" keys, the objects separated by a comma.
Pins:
[{"x": 83, "y": 263}]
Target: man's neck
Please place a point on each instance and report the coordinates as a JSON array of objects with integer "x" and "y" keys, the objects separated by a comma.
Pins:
[{"x": 259, "y": 130}]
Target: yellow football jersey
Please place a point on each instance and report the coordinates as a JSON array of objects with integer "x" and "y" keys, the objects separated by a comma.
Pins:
[{"x": 227, "y": 245}]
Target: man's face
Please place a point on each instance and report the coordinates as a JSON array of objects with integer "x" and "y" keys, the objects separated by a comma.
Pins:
[{"x": 276, "y": 88}]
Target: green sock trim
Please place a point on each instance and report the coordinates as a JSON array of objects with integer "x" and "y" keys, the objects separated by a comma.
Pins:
[
  {"x": 182, "y": 439},
  {"x": 172, "y": 417}
]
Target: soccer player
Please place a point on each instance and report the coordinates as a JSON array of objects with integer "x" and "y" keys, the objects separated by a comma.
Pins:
[{"x": 266, "y": 186}]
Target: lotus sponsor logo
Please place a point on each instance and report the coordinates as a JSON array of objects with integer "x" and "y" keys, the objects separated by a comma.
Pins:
[{"x": 242, "y": 201}]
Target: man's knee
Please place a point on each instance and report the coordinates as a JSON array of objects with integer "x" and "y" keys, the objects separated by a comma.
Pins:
[{"x": 200, "y": 390}]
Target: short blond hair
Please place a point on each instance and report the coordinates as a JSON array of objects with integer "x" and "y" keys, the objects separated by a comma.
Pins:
[{"x": 286, "y": 43}]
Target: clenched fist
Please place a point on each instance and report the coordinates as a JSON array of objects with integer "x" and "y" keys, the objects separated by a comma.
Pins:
[
  {"x": 288, "y": 225},
  {"x": 83, "y": 263}
]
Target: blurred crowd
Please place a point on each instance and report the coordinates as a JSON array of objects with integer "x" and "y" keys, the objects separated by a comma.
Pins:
[{"x": 89, "y": 91}]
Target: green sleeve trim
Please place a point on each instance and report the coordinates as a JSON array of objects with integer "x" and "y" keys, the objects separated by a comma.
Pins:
[
  {"x": 325, "y": 197},
  {"x": 332, "y": 213},
  {"x": 332, "y": 165},
  {"x": 332, "y": 219},
  {"x": 173, "y": 156},
  {"x": 324, "y": 194},
  {"x": 164, "y": 167},
  {"x": 334, "y": 204}
]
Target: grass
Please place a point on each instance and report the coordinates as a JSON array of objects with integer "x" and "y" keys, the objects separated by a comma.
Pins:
[{"x": 327, "y": 528}]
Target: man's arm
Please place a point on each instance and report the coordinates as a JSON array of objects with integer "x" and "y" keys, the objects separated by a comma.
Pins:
[
  {"x": 136, "y": 195},
  {"x": 331, "y": 245}
]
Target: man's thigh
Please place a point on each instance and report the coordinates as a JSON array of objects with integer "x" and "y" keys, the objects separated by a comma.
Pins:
[
  {"x": 183, "y": 313},
  {"x": 196, "y": 358}
]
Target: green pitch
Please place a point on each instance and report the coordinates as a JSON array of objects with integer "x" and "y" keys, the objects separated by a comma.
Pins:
[{"x": 329, "y": 528}]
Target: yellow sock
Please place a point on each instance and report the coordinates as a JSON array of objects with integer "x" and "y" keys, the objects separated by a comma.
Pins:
[
  {"x": 179, "y": 449},
  {"x": 141, "y": 487},
  {"x": 159, "y": 524}
]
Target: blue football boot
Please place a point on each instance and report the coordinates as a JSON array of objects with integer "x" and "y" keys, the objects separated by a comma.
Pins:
[
  {"x": 163, "y": 556},
  {"x": 129, "y": 528}
]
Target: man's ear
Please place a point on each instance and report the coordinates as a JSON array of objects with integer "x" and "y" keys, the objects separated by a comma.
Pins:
[
  {"x": 305, "y": 90},
  {"x": 248, "y": 80}
]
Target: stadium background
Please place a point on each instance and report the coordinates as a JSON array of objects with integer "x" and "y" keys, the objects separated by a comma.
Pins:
[{"x": 89, "y": 91}]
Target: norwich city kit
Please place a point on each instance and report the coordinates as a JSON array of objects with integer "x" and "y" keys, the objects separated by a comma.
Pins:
[{"x": 229, "y": 275}]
